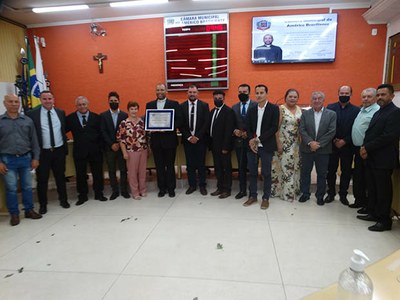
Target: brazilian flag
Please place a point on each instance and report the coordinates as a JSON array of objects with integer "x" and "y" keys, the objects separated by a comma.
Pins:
[{"x": 33, "y": 84}]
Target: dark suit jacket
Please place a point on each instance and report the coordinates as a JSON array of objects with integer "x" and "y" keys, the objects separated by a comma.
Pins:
[
  {"x": 269, "y": 125},
  {"x": 344, "y": 120},
  {"x": 166, "y": 139},
  {"x": 108, "y": 131},
  {"x": 326, "y": 130},
  {"x": 382, "y": 138},
  {"x": 203, "y": 116},
  {"x": 222, "y": 138},
  {"x": 240, "y": 122},
  {"x": 34, "y": 114},
  {"x": 88, "y": 140}
]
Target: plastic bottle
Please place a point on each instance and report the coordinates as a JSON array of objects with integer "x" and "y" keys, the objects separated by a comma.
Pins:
[{"x": 354, "y": 283}]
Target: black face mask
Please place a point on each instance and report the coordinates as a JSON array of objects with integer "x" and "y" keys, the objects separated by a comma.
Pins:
[
  {"x": 344, "y": 99},
  {"x": 243, "y": 97},
  {"x": 114, "y": 105},
  {"x": 218, "y": 102}
]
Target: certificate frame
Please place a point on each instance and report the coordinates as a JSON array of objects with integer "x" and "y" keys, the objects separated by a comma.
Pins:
[{"x": 154, "y": 125}]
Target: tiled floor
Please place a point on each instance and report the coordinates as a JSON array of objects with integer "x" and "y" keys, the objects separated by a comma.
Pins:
[{"x": 168, "y": 249}]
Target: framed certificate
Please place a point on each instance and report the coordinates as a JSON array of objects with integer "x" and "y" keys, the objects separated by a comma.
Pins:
[{"x": 159, "y": 120}]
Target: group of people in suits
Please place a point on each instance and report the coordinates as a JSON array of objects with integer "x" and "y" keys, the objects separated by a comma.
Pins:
[
  {"x": 344, "y": 133},
  {"x": 254, "y": 129},
  {"x": 89, "y": 130}
]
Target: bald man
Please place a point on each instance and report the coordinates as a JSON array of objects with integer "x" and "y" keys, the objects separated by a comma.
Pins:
[
  {"x": 19, "y": 154},
  {"x": 342, "y": 145}
]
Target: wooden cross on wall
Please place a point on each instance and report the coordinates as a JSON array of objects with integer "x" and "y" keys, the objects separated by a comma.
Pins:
[{"x": 100, "y": 57}]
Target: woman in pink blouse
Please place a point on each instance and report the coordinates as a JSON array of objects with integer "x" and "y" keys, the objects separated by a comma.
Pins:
[{"x": 132, "y": 138}]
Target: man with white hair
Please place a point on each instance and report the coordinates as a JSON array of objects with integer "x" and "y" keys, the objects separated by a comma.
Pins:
[
  {"x": 361, "y": 123},
  {"x": 86, "y": 131},
  {"x": 317, "y": 129}
]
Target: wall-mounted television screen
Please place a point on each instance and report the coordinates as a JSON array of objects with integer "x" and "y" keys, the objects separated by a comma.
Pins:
[{"x": 294, "y": 39}]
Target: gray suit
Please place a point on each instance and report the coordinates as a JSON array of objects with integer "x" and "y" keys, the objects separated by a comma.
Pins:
[{"x": 325, "y": 134}]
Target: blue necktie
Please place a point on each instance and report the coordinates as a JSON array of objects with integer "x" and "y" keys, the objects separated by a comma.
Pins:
[{"x": 243, "y": 110}]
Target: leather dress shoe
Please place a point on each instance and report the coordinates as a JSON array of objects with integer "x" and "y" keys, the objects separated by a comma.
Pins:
[
  {"x": 100, "y": 197},
  {"x": 14, "y": 220},
  {"x": 171, "y": 194},
  {"x": 380, "y": 227},
  {"x": 344, "y": 200},
  {"x": 161, "y": 194},
  {"x": 31, "y": 214},
  {"x": 329, "y": 198},
  {"x": 216, "y": 193},
  {"x": 64, "y": 204},
  {"x": 250, "y": 201},
  {"x": 43, "y": 209},
  {"x": 240, "y": 195},
  {"x": 362, "y": 211},
  {"x": 81, "y": 201},
  {"x": 114, "y": 195},
  {"x": 224, "y": 195},
  {"x": 355, "y": 205},
  {"x": 190, "y": 190},
  {"x": 125, "y": 195},
  {"x": 367, "y": 218},
  {"x": 203, "y": 191},
  {"x": 320, "y": 201},
  {"x": 304, "y": 198},
  {"x": 264, "y": 204}
]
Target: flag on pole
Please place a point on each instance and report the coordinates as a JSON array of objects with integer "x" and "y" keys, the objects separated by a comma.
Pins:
[
  {"x": 39, "y": 66},
  {"x": 33, "y": 85}
]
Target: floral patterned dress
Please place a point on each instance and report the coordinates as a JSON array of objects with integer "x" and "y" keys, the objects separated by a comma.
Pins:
[
  {"x": 132, "y": 135},
  {"x": 286, "y": 166}
]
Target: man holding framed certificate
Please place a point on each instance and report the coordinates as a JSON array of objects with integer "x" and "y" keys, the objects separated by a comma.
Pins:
[{"x": 162, "y": 118}]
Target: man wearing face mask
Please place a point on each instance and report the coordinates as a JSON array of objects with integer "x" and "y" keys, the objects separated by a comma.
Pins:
[
  {"x": 110, "y": 121},
  {"x": 240, "y": 136},
  {"x": 221, "y": 128},
  {"x": 342, "y": 145}
]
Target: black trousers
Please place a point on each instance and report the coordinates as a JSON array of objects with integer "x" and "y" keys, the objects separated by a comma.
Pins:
[
  {"x": 345, "y": 155},
  {"x": 223, "y": 170},
  {"x": 114, "y": 159},
  {"x": 380, "y": 193},
  {"x": 96, "y": 167},
  {"x": 360, "y": 186},
  {"x": 55, "y": 161},
  {"x": 195, "y": 161},
  {"x": 241, "y": 154},
  {"x": 165, "y": 167}
]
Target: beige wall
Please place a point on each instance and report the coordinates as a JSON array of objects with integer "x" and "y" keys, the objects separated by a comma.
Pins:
[{"x": 11, "y": 42}]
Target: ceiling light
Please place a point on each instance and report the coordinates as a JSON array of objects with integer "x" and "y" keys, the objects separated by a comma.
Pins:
[
  {"x": 136, "y": 3},
  {"x": 97, "y": 30},
  {"x": 59, "y": 8}
]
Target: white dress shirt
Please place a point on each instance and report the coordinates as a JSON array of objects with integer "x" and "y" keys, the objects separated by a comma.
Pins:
[{"x": 44, "y": 122}]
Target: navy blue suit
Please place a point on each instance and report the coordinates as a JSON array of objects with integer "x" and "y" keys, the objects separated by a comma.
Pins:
[
  {"x": 269, "y": 126},
  {"x": 242, "y": 145},
  {"x": 345, "y": 117}
]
